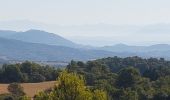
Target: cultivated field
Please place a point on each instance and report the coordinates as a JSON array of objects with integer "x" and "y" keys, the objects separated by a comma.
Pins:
[{"x": 30, "y": 88}]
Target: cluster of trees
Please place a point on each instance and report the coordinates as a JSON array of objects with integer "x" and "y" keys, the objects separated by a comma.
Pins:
[
  {"x": 131, "y": 78},
  {"x": 27, "y": 72},
  {"x": 71, "y": 87}
]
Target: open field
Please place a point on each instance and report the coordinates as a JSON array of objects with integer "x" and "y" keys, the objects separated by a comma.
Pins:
[{"x": 30, "y": 88}]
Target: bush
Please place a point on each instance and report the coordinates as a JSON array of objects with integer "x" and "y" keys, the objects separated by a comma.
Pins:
[
  {"x": 16, "y": 89},
  {"x": 6, "y": 97}
]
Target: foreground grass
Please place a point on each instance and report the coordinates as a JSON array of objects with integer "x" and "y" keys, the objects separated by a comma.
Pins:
[{"x": 30, "y": 88}]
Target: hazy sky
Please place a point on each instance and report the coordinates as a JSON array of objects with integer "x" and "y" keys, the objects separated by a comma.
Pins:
[
  {"x": 83, "y": 12},
  {"x": 87, "y": 11}
]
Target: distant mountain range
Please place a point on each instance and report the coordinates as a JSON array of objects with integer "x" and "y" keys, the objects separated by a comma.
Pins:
[
  {"x": 98, "y": 34},
  {"x": 137, "y": 49},
  {"x": 44, "y": 46},
  {"x": 95, "y": 28},
  {"x": 158, "y": 50},
  {"x": 11, "y": 49},
  {"x": 37, "y": 36}
]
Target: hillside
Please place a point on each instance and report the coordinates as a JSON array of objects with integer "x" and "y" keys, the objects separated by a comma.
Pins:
[
  {"x": 37, "y": 36},
  {"x": 131, "y": 78},
  {"x": 158, "y": 50},
  {"x": 41, "y": 45},
  {"x": 133, "y": 49},
  {"x": 19, "y": 50}
]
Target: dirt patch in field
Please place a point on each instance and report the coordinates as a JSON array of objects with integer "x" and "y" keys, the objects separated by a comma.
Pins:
[
  {"x": 3, "y": 88},
  {"x": 30, "y": 88}
]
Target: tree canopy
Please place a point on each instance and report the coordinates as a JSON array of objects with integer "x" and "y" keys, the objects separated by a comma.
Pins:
[
  {"x": 27, "y": 72},
  {"x": 131, "y": 78},
  {"x": 71, "y": 87}
]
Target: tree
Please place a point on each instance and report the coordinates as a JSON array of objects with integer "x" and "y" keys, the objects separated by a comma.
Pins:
[
  {"x": 99, "y": 95},
  {"x": 36, "y": 77},
  {"x": 25, "y": 98},
  {"x": 6, "y": 97},
  {"x": 16, "y": 89},
  {"x": 26, "y": 67},
  {"x": 71, "y": 87},
  {"x": 27, "y": 72},
  {"x": 12, "y": 73},
  {"x": 128, "y": 77},
  {"x": 128, "y": 94},
  {"x": 162, "y": 88}
]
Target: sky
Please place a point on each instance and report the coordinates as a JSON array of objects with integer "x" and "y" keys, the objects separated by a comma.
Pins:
[{"x": 85, "y": 12}]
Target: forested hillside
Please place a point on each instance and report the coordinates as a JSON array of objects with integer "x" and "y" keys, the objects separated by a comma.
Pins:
[
  {"x": 113, "y": 78},
  {"x": 131, "y": 78}
]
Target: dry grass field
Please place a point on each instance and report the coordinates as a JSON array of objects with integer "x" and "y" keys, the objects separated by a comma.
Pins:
[{"x": 30, "y": 88}]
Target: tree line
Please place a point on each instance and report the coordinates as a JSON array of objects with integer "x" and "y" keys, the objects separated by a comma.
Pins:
[
  {"x": 112, "y": 78},
  {"x": 27, "y": 72},
  {"x": 70, "y": 86},
  {"x": 131, "y": 78}
]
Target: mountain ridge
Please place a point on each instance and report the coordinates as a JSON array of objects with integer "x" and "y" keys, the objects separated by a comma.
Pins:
[
  {"x": 19, "y": 50},
  {"x": 35, "y": 45},
  {"x": 38, "y": 36},
  {"x": 129, "y": 48}
]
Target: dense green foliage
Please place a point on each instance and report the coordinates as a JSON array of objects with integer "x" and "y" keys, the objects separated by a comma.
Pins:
[
  {"x": 71, "y": 87},
  {"x": 6, "y": 97},
  {"x": 27, "y": 72},
  {"x": 131, "y": 78}
]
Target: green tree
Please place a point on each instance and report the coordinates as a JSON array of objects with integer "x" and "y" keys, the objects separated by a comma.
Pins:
[
  {"x": 16, "y": 89},
  {"x": 26, "y": 67},
  {"x": 12, "y": 73},
  {"x": 128, "y": 77},
  {"x": 71, "y": 87},
  {"x": 99, "y": 95},
  {"x": 25, "y": 98},
  {"x": 128, "y": 94},
  {"x": 6, "y": 97},
  {"x": 36, "y": 77}
]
